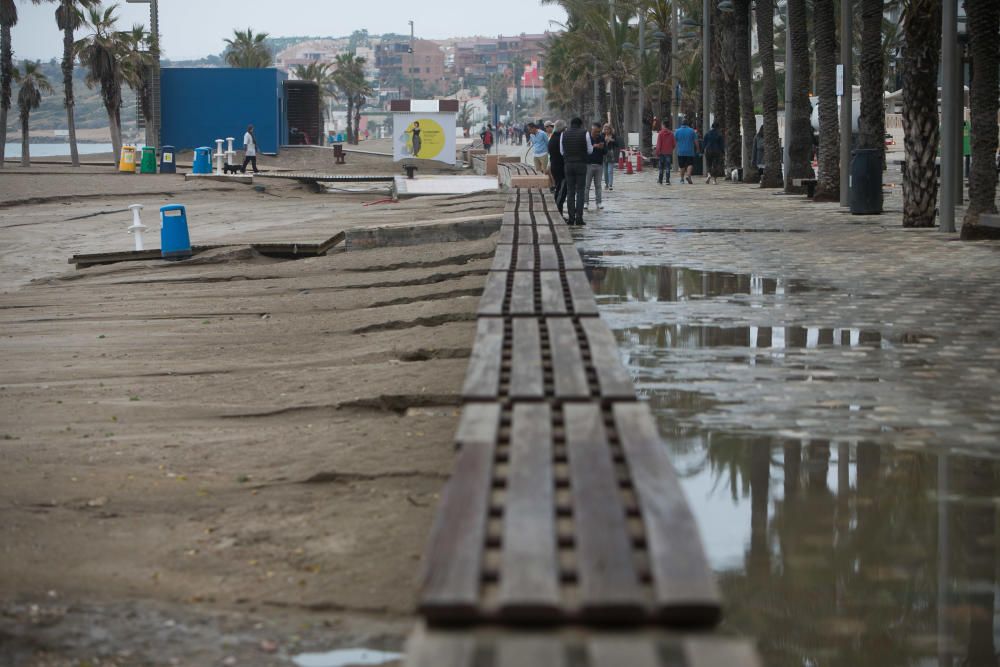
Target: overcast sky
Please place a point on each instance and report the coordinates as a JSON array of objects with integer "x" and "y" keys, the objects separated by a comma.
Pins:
[{"x": 195, "y": 28}]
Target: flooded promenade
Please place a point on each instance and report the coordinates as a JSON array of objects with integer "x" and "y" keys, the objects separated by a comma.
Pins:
[{"x": 826, "y": 385}]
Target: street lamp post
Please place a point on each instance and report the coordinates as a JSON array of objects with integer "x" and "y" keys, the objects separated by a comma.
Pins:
[
  {"x": 675, "y": 29},
  {"x": 706, "y": 69},
  {"x": 153, "y": 129},
  {"x": 413, "y": 56},
  {"x": 846, "y": 101},
  {"x": 786, "y": 153}
]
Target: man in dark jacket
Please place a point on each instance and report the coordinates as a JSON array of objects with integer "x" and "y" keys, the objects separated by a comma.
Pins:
[
  {"x": 556, "y": 165},
  {"x": 575, "y": 146}
]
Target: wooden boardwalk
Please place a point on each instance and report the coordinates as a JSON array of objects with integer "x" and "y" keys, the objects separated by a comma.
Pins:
[{"x": 563, "y": 536}]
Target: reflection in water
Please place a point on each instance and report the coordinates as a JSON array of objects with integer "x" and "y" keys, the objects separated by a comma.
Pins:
[
  {"x": 838, "y": 560},
  {"x": 670, "y": 283},
  {"x": 841, "y": 553}
]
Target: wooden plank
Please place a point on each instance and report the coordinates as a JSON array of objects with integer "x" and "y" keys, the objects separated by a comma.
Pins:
[
  {"x": 569, "y": 375},
  {"x": 709, "y": 651},
  {"x": 526, "y": 361},
  {"x": 524, "y": 650},
  {"x": 529, "y": 573},
  {"x": 612, "y": 377},
  {"x": 581, "y": 294},
  {"x": 685, "y": 590},
  {"x": 622, "y": 650},
  {"x": 491, "y": 302},
  {"x": 507, "y": 235},
  {"x": 479, "y": 425},
  {"x": 482, "y": 376},
  {"x": 553, "y": 298},
  {"x": 610, "y": 590},
  {"x": 522, "y": 297},
  {"x": 451, "y": 576},
  {"x": 571, "y": 258},
  {"x": 548, "y": 258},
  {"x": 440, "y": 649},
  {"x": 504, "y": 257}
]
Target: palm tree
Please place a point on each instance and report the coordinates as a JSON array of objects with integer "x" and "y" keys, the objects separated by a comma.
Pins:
[
  {"x": 69, "y": 18},
  {"x": 8, "y": 19},
  {"x": 744, "y": 73},
  {"x": 825, "y": 33},
  {"x": 730, "y": 90},
  {"x": 517, "y": 63},
  {"x": 921, "y": 128},
  {"x": 29, "y": 97},
  {"x": 101, "y": 54},
  {"x": 349, "y": 78},
  {"x": 248, "y": 51},
  {"x": 984, "y": 43},
  {"x": 797, "y": 119},
  {"x": 871, "y": 121},
  {"x": 769, "y": 94}
]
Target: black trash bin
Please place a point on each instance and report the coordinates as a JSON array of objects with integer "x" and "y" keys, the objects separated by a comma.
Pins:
[{"x": 866, "y": 182}]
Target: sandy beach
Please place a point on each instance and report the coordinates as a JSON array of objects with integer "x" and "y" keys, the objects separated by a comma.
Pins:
[{"x": 231, "y": 459}]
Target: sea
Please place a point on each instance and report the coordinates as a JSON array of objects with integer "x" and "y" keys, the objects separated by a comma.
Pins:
[{"x": 55, "y": 149}]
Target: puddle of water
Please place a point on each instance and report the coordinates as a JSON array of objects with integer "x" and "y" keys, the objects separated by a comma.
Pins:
[
  {"x": 849, "y": 553},
  {"x": 345, "y": 658},
  {"x": 764, "y": 338},
  {"x": 618, "y": 284}
]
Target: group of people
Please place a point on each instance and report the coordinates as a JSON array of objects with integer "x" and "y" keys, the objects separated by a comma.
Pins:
[{"x": 686, "y": 144}]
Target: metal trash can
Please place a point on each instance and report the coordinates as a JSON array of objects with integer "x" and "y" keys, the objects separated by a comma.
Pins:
[
  {"x": 148, "y": 164},
  {"x": 202, "y": 160},
  {"x": 126, "y": 163},
  {"x": 865, "y": 195},
  {"x": 168, "y": 162},
  {"x": 175, "y": 243}
]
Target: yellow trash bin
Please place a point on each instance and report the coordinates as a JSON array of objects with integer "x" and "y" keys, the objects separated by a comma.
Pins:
[{"x": 127, "y": 162}]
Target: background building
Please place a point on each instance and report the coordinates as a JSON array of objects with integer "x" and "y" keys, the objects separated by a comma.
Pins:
[{"x": 425, "y": 66}]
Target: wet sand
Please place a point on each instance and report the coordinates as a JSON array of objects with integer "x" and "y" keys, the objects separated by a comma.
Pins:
[{"x": 231, "y": 459}]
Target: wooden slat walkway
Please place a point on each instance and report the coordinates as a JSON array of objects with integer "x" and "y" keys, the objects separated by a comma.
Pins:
[{"x": 563, "y": 536}]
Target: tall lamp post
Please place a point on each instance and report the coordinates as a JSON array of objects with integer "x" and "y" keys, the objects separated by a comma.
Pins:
[
  {"x": 706, "y": 71},
  {"x": 153, "y": 129},
  {"x": 846, "y": 101},
  {"x": 413, "y": 56},
  {"x": 674, "y": 37}
]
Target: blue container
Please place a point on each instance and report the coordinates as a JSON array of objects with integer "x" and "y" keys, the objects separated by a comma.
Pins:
[
  {"x": 202, "y": 160},
  {"x": 168, "y": 160},
  {"x": 174, "y": 240}
]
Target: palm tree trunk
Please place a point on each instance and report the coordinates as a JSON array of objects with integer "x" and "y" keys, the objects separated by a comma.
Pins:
[
  {"x": 69, "y": 100},
  {"x": 871, "y": 121},
  {"x": 25, "y": 151},
  {"x": 618, "y": 106},
  {"x": 666, "y": 86},
  {"x": 772, "y": 144},
  {"x": 116, "y": 135},
  {"x": 6, "y": 78},
  {"x": 798, "y": 117},
  {"x": 734, "y": 143},
  {"x": 921, "y": 128},
  {"x": 350, "y": 118},
  {"x": 825, "y": 32},
  {"x": 745, "y": 75},
  {"x": 984, "y": 42}
]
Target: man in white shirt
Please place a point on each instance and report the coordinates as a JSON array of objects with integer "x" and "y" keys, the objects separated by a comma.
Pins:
[{"x": 250, "y": 148}]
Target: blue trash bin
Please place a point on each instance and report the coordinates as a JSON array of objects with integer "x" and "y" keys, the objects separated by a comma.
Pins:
[
  {"x": 175, "y": 243},
  {"x": 202, "y": 160},
  {"x": 168, "y": 161}
]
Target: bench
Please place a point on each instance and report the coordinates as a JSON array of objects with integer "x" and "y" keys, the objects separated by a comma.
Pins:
[
  {"x": 565, "y": 513},
  {"x": 518, "y": 648},
  {"x": 339, "y": 154},
  {"x": 557, "y": 358},
  {"x": 537, "y": 294},
  {"x": 808, "y": 183}
]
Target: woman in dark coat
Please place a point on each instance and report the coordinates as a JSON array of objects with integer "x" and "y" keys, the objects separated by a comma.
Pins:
[{"x": 715, "y": 151}]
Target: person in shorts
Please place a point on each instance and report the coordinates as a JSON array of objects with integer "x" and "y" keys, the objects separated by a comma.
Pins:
[
  {"x": 687, "y": 149},
  {"x": 539, "y": 148}
]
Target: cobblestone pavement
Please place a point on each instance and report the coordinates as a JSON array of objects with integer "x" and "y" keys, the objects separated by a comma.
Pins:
[{"x": 923, "y": 307}]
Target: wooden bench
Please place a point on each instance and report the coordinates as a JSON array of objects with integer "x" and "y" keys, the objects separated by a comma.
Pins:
[
  {"x": 537, "y": 294},
  {"x": 517, "y": 257},
  {"x": 573, "y": 648},
  {"x": 563, "y": 514},
  {"x": 339, "y": 154},
  {"x": 557, "y": 359},
  {"x": 808, "y": 183}
]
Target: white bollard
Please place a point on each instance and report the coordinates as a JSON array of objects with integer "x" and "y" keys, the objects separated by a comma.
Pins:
[
  {"x": 219, "y": 157},
  {"x": 230, "y": 153},
  {"x": 137, "y": 227}
]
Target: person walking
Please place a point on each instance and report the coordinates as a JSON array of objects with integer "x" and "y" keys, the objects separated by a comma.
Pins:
[
  {"x": 488, "y": 137},
  {"x": 665, "y": 146},
  {"x": 686, "y": 149},
  {"x": 250, "y": 149},
  {"x": 610, "y": 155},
  {"x": 757, "y": 151},
  {"x": 595, "y": 166},
  {"x": 539, "y": 148},
  {"x": 557, "y": 167},
  {"x": 575, "y": 146},
  {"x": 715, "y": 150}
]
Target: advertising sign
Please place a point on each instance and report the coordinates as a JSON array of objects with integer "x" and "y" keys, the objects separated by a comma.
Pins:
[{"x": 424, "y": 136}]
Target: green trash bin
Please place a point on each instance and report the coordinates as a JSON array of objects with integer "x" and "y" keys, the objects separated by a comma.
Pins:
[{"x": 148, "y": 165}]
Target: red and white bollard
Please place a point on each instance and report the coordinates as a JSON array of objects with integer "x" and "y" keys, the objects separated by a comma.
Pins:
[
  {"x": 638, "y": 161},
  {"x": 621, "y": 160}
]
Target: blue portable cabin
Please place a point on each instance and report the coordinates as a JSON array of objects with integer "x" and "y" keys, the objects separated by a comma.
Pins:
[{"x": 201, "y": 104}]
